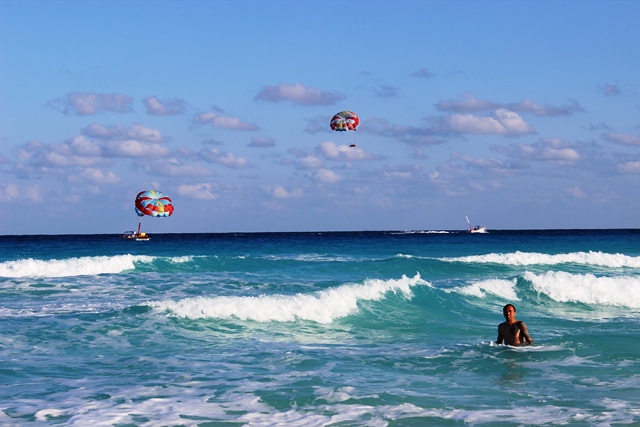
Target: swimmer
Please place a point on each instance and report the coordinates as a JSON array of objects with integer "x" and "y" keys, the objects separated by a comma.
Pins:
[{"x": 512, "y": 332}]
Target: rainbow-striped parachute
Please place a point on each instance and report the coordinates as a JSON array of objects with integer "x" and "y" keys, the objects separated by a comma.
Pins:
[
  {"x": 344, "y": 121},
  {"x": 153, "y": 203}
]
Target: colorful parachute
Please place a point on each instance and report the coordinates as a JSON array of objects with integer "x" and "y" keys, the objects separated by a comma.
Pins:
[
  {"x": 344, "y": 121},
  {"x": 153, "y": 203}
]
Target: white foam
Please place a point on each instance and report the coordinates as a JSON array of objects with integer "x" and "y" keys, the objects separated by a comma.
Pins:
[
  {"x": 321, "y": 307},
  {"x": 533, "y": 258},
  {"x": 621, "y": 291},
  {"x": 82, "y": 266},
  {"x": 500, "y": 287}
]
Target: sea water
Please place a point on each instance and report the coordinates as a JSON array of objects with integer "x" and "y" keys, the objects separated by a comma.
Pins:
[{"x": 320, "y": 329}]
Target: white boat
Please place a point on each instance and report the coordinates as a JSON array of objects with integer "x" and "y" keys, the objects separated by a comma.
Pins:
[{"x": 477, "y": 228}]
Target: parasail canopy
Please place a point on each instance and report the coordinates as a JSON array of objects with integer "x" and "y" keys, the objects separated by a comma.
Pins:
[
  {"x": 153, "y": 203},
  {"x": 344, "y": 121}
]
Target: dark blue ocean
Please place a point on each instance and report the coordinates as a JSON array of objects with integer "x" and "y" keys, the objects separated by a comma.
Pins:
[{"x": 320, "y": 329}]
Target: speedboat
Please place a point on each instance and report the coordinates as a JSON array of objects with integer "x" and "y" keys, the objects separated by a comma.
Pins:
[
  {"x": 132, "y": 235},
  {"x": 477, "y": 228}
]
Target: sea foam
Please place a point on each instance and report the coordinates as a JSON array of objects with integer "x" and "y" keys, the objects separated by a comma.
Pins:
[
  {"x": 532, "y": 258},
  {"x": 82, "y": 266},
  {"x": 322, "y": 307}
]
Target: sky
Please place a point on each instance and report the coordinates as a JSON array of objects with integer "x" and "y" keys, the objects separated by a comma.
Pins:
[{"x": 517, "y": 114}]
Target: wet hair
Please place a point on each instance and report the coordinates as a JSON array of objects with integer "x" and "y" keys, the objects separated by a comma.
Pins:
[{"x": 509, "y": 305}]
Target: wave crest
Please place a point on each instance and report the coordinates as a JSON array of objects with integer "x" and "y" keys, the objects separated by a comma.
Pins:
[
  {"x": 321, "y": 307},
  {"x": 83, "y": 266},
  {"x": 621, "y": 291},
  {"x": 531, "y": 258}
]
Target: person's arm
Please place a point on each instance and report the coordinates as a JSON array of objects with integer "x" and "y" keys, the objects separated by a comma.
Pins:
[
  {"x": 500, "y": 336},
  {"x": 525, "y": 333}
]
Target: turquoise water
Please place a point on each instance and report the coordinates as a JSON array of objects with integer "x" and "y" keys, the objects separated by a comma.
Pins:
[{"x": 320, "y": 329}]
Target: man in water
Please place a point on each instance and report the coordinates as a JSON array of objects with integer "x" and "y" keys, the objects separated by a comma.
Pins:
[{"x": 512, "y": 332}]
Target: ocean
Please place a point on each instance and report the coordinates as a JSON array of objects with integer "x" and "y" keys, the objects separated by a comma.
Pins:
[{"x": 394, "y": 328}]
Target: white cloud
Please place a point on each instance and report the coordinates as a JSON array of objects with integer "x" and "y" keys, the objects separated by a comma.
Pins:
[
  {"x": 11, "y": 192},
  {"x": 298, "y": 94},
  {"x": 279, "y": 192},
  {"x": 553, "y": 149},
  {"x": 97, "y": 176},
  {"x": 310, "y": 162},
  {"x": 201, "y": 191},
  {"x": 502, "y": 122},
  {"x": 629, "y": 167},
  {"x": 223, "y": 121},
  {"x": 325, "y": 176},
  {"x": 137, "y": 131},
  {"x": 470, "y": 104},
  {"x": 134, "y": 148},
  {"x": 87, "y": 104},
  {"x": 332, "y": 151},
  {"x": 213, "y": 155},
  {"x": 171, "y": 107},
  {"x": 622, "y": 138}
]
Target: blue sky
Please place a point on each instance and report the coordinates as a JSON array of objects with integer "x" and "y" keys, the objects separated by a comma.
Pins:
[{"x": 519, "y": 114}]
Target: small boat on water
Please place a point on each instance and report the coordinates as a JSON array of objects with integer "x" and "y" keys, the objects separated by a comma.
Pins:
[
  {"x": 132, "y": 235},
  {"x": 477, "y": 228}
]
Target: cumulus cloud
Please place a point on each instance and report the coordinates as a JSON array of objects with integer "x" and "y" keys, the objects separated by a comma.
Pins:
[
  {"x": 310, "y": 161},
  {"x": 622, "y": 138},
  {"x": 298, "y": 94},
  {"x": 213, "y": 155},
  {"x": 332, "y": 151},
  {"x": 528, "y": 106},
  {"x": 501, "y": 122},
  {"x": 88, "y": 104},
  {"x": 471, "y": 104},
  {"x": 546, "y": 149},
  {"x": 36, "y": 154},
  {"x": 95, "y": 176},
  {"x": 200, "y": 191},
  {"x": 629, "y": 168},
  {"x": 169, "y": 107},
  {"x": 220, "y": 120},
  {"x": 279, "y": 192},
  {"x": 137, "y": 131},
  {"x": 261, "y": 141},
  {"x": 324, "y": 176},
  {"x": 12, "y": 192},
  {"x": 134, "y": 148}
]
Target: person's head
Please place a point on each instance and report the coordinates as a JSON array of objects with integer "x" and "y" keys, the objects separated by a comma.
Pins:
[{"x": 509, "y": 309}]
